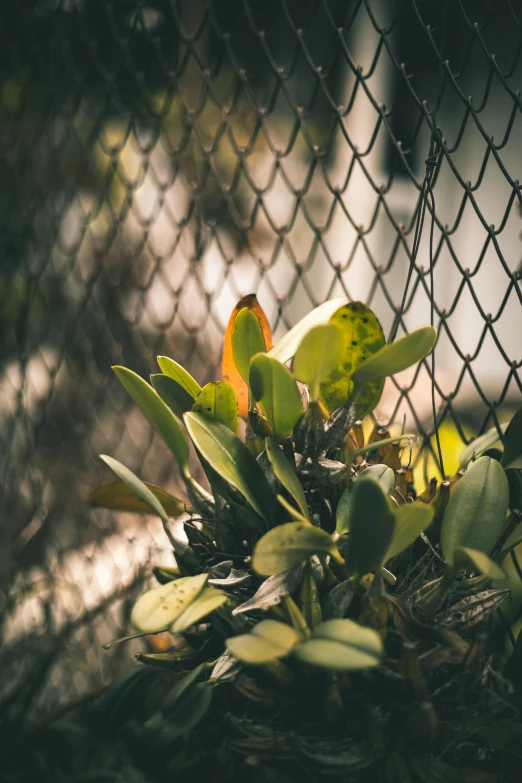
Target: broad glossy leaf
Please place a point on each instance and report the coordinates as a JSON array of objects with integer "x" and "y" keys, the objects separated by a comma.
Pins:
[
  {"x": 286, "y": 347},
  {"x": 119, "y": 496},
  {"x": 229, "y": 370},
  {"x": 512, "y": 457},
  {"x": 156, "y": 609},
  {"x": 158, "y": 414},
  {"x": 217, "y": 401},
  {"x": 371, "y": 524},
  {"x": 137, "y": 486},
  {"x": 247, "y": 340},
  {"x": 341, "y": 645},
  {"x": 466, "y": 558},
  {"x": 411, "y": 520},
  {"x": 172, "y": 393},
  {"x": 180, "y": 375},
  {"x": 396, "y": 357},
  {"x": 480, "y": 444},
  {"x": 380, "y": 473},
  {"x": 287, "y": 545},
  {"x": 268, "y": 641},
  {"x": 286, "y": 474},
  {"x": 207, "y": 601},
  {"x": 273, "y": 590},
  {"x": 277, "y": 393},
  {"x": 362, "y": 337},
  {"x": 476, "y": 510},
  {"x": 229, "y": 457},
  {"x": 319, "y": 353}
]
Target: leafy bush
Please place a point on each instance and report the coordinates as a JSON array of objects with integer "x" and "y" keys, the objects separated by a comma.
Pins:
[{"x": 324, "y": 619}]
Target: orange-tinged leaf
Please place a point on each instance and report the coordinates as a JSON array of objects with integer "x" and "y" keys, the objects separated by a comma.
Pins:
[
  {"x": 117, "y": 496},
  {"x": 230, "y": 372}
]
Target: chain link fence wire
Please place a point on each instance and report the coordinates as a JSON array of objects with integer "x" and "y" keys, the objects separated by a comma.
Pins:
[{"x": 161, "y": 158}]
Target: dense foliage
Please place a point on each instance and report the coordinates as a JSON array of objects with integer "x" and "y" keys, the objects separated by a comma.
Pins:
[{"x": 323, "y": 619}]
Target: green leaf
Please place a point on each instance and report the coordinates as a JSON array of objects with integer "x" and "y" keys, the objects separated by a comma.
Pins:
[
  {"x": 319, "y": 353},
  {"x": 512, "y": 541},
  {"x": 286, "y": 347},
  {"x": 158, "y": 415},
  {"x": 476, "y": 510},
  {"x": 268, "y": 641},
  {"x": 380, "y": 473},
  {"x": 286, "y": 474},
  {"x": 247, "y": 340},
  {"x": 229, "y": 457},
  {"x": 341, "y": 645},
  {"x": 207, "y": 601},
  {"x": 156, "y": 609},
  {"x": 178, "y": 373},
  {"x": 276, "y": 391},
  {"x": 287, "y": 545},
  {"x": 396, "y": 357},
  {"x": 137, "y": 486},
  {"x": 362, "y": 337},
  {"x": 411, "y": 520},
  {"x": 480, "y": 444},
  {"x": 466, "y": 558},
  {"x": 217, "y": 401},
  {"x": 172, "y": 393},
  {"x": 119, "y": 496},
  {"x": 371, "y": 524},
  {"x": 512, "y": 457}
]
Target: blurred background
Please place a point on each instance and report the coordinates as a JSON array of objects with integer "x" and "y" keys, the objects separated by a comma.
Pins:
[{"x": 159, "y": 159}]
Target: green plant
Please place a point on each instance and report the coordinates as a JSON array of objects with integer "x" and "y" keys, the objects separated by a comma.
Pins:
[{"x": 324, "y": 620}]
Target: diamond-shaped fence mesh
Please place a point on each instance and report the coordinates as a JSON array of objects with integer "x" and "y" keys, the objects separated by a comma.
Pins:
[{"x": 159, "y": 160}]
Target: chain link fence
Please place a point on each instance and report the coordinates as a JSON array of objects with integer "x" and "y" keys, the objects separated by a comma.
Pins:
[{"x": 161, "y": 158}]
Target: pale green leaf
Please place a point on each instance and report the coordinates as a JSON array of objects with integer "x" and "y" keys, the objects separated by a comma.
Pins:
[
  {"x": 178, "y": 373},
  {"x": 286, "y": 474},
  {"x": 277, "y": 393},
  {"x": 247, "y": 340},
  {"x": 341, "y": 645},
  {"x": 229, "y": 457},
  {"x": 217, "y": 401},
  {"x": 158, "y": 414},
  {"x": 286, "y": 347},
  {"x": 319, "y": 353},
  {"x": 268, "y": 641},
  {"x": 396, "y": 357},
  {"x": 207, "y": 601},
  {"x": 156, "y": 609},
  {"x": 476, "y": 510},
  {"x": 287, "y": 545}
]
